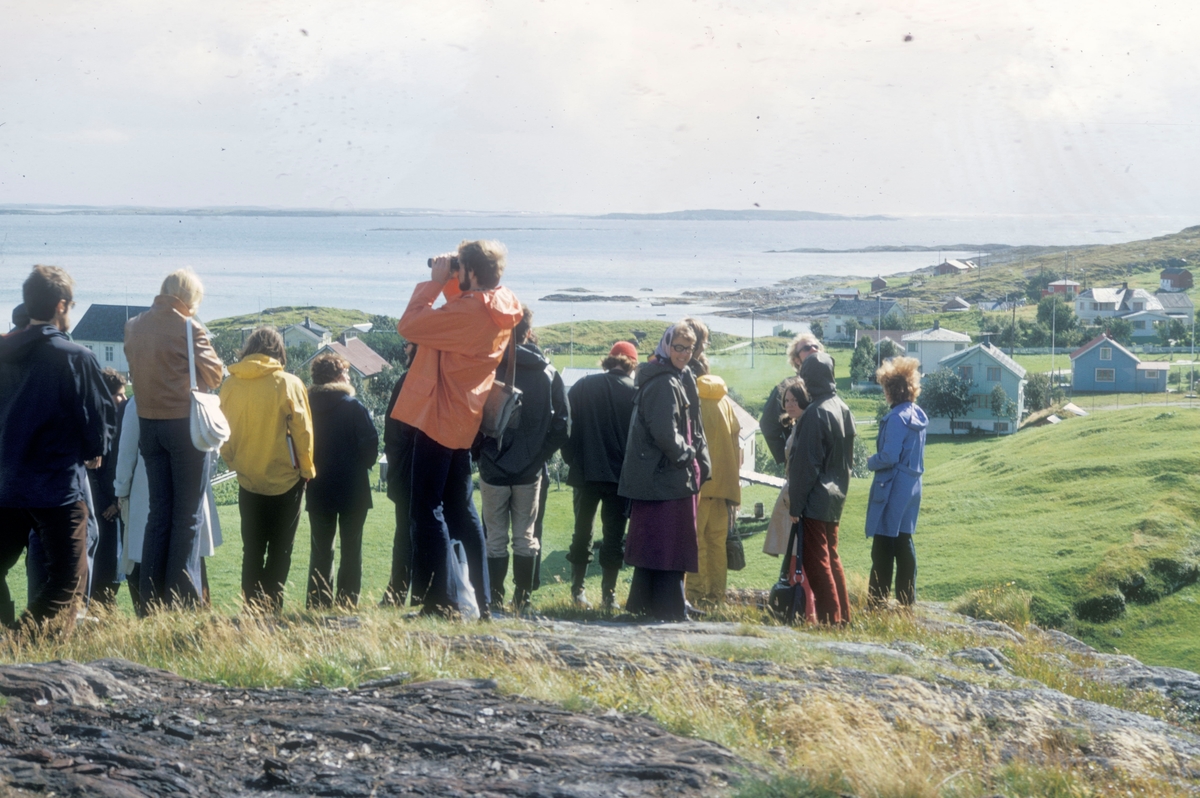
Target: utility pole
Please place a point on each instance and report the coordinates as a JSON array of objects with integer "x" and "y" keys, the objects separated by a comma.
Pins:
[
  {"x": 878, "y": 328},
  {"x": 751, "y": 337},
  {"x": 1053, "y": 325},
  {"x": 1013, "y": 342}
]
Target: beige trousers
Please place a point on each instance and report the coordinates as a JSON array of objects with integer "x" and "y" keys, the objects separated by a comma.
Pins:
[{"x": 515, "y": 507}]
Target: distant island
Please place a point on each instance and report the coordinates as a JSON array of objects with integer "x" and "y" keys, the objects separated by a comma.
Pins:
[
  {"x": 907, "y": 248},
  {"x": 755, "y": 215}
]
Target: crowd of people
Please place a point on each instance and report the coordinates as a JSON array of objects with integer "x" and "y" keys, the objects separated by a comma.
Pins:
[{"x": 99, "y": 488}]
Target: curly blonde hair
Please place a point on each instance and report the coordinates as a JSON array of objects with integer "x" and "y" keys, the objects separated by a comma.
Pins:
[{"x": 900, "y": 378}]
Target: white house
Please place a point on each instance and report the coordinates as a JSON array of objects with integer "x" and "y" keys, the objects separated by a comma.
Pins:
[
  {"x": 863, "y": 312},
  {"x": 1118, "y": 301},
  {"x": 308, "y": 332},
  {"x": 1177, "y": 306},
  {"x": 102, "y": 330},
  {"x": 930, "y": 346}
]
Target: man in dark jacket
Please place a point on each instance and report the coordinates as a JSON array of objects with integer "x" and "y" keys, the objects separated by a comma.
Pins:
[
  {"x": 397, "y": 448},
  {"x": 105, "y": 566},
  {"x": 510, "y": 468},
  {"x": 56, "y": 417},
  {"x": 601, "y": 406},
  {"x": 818, "y": 479},
  {"x": 771, "y": 423}
]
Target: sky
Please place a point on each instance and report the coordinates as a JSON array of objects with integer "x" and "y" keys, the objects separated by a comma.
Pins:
[{"x": 905, "y": 107}]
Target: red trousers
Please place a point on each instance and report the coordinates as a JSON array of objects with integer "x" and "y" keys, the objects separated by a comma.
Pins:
[{"x": 823, "y": 568}]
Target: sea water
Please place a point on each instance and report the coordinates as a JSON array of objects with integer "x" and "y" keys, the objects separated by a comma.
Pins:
[{"x": 371, "y": 263}]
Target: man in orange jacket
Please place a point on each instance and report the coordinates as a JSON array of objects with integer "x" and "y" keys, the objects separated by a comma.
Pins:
[{"x": 459, "y": 345}]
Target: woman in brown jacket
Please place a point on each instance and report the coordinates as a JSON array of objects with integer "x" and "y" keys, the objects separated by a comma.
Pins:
[{"x": 176, "y": 471}]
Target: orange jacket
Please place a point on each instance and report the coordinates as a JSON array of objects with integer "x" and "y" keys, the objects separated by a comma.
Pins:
[{"x": 459, "y": 346}]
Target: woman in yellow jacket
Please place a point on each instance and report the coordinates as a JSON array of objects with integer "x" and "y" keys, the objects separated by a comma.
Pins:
[
  {"x": 271, "y": 449},
  {"x": 720, "y": 495}
]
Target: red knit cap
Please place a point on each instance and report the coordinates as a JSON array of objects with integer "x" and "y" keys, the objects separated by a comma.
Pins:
[{"x": 625, "y": 348}]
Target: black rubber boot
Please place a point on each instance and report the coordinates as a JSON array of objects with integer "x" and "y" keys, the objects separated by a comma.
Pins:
[
  {"x": 608, "y": 589},
  {"x": 578, "y": 574},
  {"x": 497, "y": 570},
  {"x": 522, "y": 582}
]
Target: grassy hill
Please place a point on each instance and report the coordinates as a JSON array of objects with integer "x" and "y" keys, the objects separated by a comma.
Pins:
[
  {"x": 1137, "y": 262},
  {"x": 1101, "y": 510},
  {"x": 335, "y": 319}
]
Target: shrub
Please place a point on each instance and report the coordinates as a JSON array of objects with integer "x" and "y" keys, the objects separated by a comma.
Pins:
[
  {"x": 1006, "y": 603},
  {"x": 1100, "y": 609},
  {"x": 1048, "y": 613}
]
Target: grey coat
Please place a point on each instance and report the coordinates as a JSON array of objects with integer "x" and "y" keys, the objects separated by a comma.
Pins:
[
  {"x": 658, "y": 458},
  {"x": 823, "y": 454}
]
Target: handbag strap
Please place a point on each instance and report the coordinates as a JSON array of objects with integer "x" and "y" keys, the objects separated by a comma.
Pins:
[
  {"x": 191, "y": 354},
  {"x": 512, "y": 360}
]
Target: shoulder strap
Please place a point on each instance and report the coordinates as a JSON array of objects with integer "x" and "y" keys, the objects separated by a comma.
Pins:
[
  {"x": 512, "y": 359},
  {"x": 191, "y": 354}
]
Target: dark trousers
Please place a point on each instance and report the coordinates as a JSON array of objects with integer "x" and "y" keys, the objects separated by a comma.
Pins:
[
  {"x": 324, "y": 528},
  {"x": 397, "y": 588},
  {"x": 63, "y": 535},
  {"x": 177, "y": 476},
  {"x": 105, "y": 580},
  {"x": 886, "y": 552},
  {"x": 613, "y": 514},
  {"x": 442, "y": 509},
  {"x": 823, "y": 567},
  {"x": 658, "y": 594},
  {"x": 268, "y": 534}
]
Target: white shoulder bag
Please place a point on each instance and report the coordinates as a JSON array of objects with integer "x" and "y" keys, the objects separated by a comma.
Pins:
[{"x": 210, "y": 428}]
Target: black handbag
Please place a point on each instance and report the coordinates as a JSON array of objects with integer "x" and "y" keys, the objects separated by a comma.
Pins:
[
  {"x": 786, "y": 600},
  {"x": 735, "y": 555}
]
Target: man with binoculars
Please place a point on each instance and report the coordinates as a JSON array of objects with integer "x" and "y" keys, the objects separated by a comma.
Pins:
[{"x": 459, "y": 346}]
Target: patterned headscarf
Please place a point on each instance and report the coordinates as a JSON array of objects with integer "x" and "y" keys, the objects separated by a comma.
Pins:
[{"x": 662, "y": 352}]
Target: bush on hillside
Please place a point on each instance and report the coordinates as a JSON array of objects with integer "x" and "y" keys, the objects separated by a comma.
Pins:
[
  {"x": 1100, "y": 609},
  {"x": 1048, "y": 613},
  {"x": 1005, "y": 603}
]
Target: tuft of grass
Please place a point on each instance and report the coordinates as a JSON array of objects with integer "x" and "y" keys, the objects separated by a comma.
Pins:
[{"x": 1005, "y": 603}]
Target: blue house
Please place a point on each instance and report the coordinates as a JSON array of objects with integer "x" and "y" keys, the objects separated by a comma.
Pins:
[
  {"x": 985, "y": 367},
  {"x": 1104, "y": 365}
]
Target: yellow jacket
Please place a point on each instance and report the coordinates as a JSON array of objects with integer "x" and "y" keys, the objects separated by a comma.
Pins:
[
  {"x": 721, "y": 431},
  {"x": 263, "y": 404}
]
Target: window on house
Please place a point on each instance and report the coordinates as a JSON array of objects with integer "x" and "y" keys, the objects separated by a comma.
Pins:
[
  {"x": 967, "y": 373},
  {"x": 1000, "y": 426},
  {"x": 108, "y": 354},
  {"x": 1106, "y": 353},
  {"x": 964, "y": 425},
  {"x": 982, "y": 401},
  {"x": 1139, "y": 325},
  {"x": 1106, "y": 375},
  {"x": 1139, "y": 305},
  {"x": 911, "y": 346},
  {"x": 839, "y": 328},
  {"x": 993, "y": 374},
  {"x": 1095, "y": 306},
  {"x": 1150, "y": 374},
  {"x": 959, "y": 347}
]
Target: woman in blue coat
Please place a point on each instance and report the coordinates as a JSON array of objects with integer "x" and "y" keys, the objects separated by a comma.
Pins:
[{"x": 898, "y": 463}]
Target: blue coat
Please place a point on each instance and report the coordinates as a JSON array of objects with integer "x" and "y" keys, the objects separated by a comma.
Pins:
[{"x": 898, "y": 464}]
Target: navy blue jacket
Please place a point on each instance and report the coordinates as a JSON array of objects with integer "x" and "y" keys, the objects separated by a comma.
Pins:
[
  {"x": 544, "y": 427},
  {"x": 55, "y": 414},
  {"x": 601, "y": 407},
  {"x": 345, "y": 447},
  {"x": 397, "y": 447}
]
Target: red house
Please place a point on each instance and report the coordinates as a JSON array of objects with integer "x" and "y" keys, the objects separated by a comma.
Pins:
[{"x": 1175, "y": 278}]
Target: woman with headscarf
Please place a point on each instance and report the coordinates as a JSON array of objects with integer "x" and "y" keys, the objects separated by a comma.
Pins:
[{"x": 666, "y": 462}]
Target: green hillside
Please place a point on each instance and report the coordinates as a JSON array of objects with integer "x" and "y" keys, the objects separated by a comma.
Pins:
[
  {"x": 335, "y": 319},
  {"x": 1137, "y": 262},
  {"x": 1105, "y": 507}
]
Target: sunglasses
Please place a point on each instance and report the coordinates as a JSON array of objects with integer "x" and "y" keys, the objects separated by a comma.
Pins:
[{"x": 681, "y": 348}]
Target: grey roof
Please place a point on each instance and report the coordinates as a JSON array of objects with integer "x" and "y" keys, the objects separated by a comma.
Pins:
[
  {"x": 1113, "y": 295},
  {"x": 937, "y": 334},
  {"x": 990, "y": 351},
  {"x": 1175, "y": 301},
  {"x": 105, "y": 323},
  {"x": 864, "y": 307},
  {"x": 1174, "y": 270},
  {"x": 1139, "y": 295}
]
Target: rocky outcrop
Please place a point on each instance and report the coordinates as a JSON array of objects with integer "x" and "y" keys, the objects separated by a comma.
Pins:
[{"x": 113, "y": 728}]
